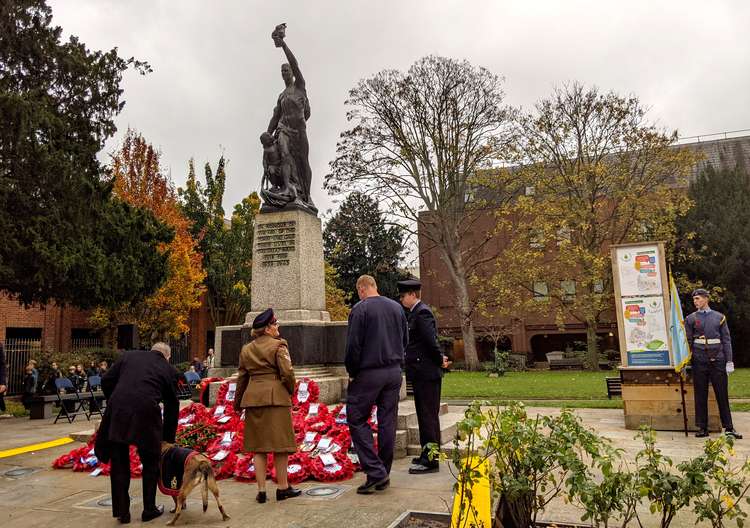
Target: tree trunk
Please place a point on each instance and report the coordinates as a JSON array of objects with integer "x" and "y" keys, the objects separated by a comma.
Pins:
[
  {"x": 464, "y": 309},
  {"x": 592, "y": 346},
  {"x": 451, "y": 254}
]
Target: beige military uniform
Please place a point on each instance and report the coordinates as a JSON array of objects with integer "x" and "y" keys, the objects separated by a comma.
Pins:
[{"x": 264, "y": 389}]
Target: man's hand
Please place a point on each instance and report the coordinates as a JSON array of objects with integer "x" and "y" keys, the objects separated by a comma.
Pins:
[
  {"x": 446, "y": 362},
  {"x": 730, "y": 367},
  {"x": 3, "y": 388}
]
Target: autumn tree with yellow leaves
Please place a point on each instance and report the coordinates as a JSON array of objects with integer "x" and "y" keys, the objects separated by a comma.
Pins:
[
  {"x": 139, "y": 181},
  {"x": 588, "y": 171}
]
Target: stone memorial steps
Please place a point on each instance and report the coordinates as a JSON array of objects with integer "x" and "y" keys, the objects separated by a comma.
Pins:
[{"x": 448, "y": 423}]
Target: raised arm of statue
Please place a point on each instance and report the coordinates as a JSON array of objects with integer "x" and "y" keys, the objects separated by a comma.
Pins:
[{"x": 299, "y": 81}]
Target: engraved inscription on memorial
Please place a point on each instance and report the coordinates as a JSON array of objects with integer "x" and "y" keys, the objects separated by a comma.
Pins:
[{"x": 275, "y": 243}]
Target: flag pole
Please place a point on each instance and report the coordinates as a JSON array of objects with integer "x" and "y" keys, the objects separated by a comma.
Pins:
[{"x": 682, "y": 395}]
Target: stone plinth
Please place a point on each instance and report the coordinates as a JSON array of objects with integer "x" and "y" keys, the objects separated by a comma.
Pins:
[
  {"x": 288, "y": 271},
  {"x": 288, "y": 276}
]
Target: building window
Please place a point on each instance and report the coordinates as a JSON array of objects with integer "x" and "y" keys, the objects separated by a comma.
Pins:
[
  {"x": 81, "y": 338},
  {"x": 536, "y": 240},
  {"x": 529, "y": 191},
  {"x": 563, "y": 235},
  {"x": 598, "y": 286},
  {"x": 30, "y": 334},
  {"x": 568, "y": 288},
  {"x": 541, "y": 291}
]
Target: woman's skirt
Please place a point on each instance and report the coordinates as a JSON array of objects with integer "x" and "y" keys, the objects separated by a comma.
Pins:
[{"x": 269, "y": 430}]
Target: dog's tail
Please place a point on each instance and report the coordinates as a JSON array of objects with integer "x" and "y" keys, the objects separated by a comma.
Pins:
[{"x": 207, "y": 473}]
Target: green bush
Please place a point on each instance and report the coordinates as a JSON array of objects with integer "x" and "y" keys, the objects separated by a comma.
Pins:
[
  {"x": 534, "y": 460},
  {"x": 15, "y": 408}
]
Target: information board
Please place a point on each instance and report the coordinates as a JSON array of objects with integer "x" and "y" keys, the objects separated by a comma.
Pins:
[
  {"x": 642, "y": 302},
  {"x": 645, "y": 327},
  {"x": 639, "y": 270}
]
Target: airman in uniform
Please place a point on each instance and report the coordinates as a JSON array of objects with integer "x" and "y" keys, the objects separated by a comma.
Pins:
[{"x": 711, "y": 347}]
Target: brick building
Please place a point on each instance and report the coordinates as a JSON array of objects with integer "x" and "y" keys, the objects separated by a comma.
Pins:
[
  {"x": 65, "y": 329},
  {"x": 536, "y": 335}
]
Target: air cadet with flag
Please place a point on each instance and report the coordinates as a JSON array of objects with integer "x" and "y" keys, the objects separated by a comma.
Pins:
[{"x": 711, "y": 349}]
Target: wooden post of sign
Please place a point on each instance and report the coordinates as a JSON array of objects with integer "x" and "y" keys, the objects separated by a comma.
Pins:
[{"x": 653, "y": 395}]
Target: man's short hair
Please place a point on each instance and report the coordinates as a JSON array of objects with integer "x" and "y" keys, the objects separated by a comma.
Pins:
[
  {"x": 162, "y": 348},
  {"x": 366, "y": 281}
]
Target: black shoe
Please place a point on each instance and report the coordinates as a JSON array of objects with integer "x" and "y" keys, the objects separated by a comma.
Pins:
[
  {"x": 421, "y": 469},
  {"x": 417, "y": 460},
  {"x": 261, "y": 497},
  {"x": 283, "y": 494},
  {"x": 371, "y": 485},
  {"x": 703, "y": 433},
  {"x": 125, "y": 519},
  {"x": 732, "y": 432},
  {"x": 384, "y": 485},
  {"x": 150, "y": 515}
]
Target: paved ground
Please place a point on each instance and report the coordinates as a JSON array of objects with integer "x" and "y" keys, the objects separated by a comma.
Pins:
[{"x": 66, "y": 499}]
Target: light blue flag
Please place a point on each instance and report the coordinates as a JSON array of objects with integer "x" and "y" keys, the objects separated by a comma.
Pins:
[{"x": 680, "y": 348}]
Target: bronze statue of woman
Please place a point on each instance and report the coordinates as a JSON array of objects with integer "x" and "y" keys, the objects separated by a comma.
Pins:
[{"x": 288, "y": 127}]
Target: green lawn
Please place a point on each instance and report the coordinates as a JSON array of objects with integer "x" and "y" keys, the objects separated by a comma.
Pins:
[{"x": 553, "y": 385}]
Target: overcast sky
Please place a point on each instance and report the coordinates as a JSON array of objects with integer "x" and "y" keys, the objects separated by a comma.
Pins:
[{"x": 216, "y": 72}]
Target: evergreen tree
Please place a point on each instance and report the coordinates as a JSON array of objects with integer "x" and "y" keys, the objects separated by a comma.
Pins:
[
  {"x": 227, "y": 248},
  {"x": 63, "y": 237},
  {"x": 357, "y": 240},
  {"x": 713, "y": 249}
]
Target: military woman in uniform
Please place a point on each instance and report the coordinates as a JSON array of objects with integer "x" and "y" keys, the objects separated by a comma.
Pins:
[{"x": 264, "y": 390}]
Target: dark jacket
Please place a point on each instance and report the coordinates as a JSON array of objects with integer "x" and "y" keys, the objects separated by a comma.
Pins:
[
  {"x": 423, "y": 356},
  {"x": 377, "y": 335},
  {"x": 710, "y": 325},
  {"x": 3, "y": 372},
  {"x": 134, "y": 386}
]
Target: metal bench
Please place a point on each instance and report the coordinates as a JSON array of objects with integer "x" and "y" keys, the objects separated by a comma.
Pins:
[{"x": 614, "y": 387}]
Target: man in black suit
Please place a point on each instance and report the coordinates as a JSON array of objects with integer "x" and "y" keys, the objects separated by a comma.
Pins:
[
  {"x": 424, "y": 362},
  {"x": 134, "y": 387}
]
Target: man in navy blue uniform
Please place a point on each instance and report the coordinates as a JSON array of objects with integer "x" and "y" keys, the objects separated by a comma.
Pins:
[
  {"x": 375, "y": 343},
  {"x": 424, "y": 362},
  {"x": 711, "y": 348}
]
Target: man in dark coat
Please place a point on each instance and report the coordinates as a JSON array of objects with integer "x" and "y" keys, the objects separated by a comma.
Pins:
[
  {"x": 134, "y": 387},
  {"x": 424, "y": 362},
  {"x": 375, "y": 342}
]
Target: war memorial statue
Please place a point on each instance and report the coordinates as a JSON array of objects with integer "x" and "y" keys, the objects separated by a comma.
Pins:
[{"x": 286, "y": 169}]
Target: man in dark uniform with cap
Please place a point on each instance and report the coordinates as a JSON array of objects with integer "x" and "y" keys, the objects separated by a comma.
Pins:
[
  {"x": 375, "y": 343},
  {"x": 711, "y": 349},
  {"x": 424, "y": 362}
]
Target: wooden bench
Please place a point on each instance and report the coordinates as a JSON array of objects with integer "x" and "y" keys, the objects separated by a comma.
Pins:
[
  {"x": 571, "y": 363},
  {"x": 42, "y": 407},
  {"x": 614, "y": 387}
]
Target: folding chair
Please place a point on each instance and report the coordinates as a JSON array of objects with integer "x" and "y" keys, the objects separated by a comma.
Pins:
[
  {"x": 192, "y": 379},
  {"x": 65, "y": 386},
  {"x": 185, "y": 388},
  {"x": 96, "y": 403}
]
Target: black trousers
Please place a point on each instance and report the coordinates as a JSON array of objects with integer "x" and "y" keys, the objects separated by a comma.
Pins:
[
  {"x": 120, "y": 478},
  {"x": 427, "y": 403},
  {"x": 374, "y": 387},
  {"x": 715, "y": 372},
  {"x": 2, "y": 402}
]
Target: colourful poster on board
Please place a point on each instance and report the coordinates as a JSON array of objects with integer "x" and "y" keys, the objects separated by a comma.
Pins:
[
  {"x": 645, "y": 328},
  {"x": 639, "y": 270}
]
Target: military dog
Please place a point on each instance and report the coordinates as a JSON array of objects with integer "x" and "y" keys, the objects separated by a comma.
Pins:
[{"x": 197, "y": 469}]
